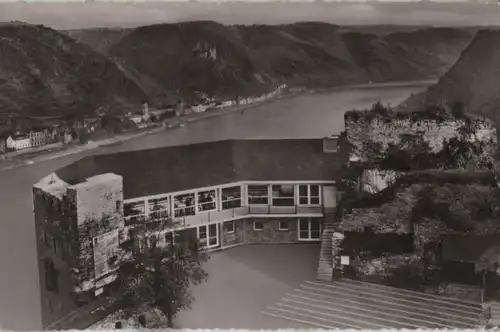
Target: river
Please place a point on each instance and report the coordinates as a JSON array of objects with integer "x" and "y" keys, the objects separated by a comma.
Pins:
[{"x": 310, "y": 115}]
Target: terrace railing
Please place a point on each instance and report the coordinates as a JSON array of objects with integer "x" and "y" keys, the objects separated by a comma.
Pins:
[
  {"x": 240, "y": 212},
  {"x": 206, "y": 217}
]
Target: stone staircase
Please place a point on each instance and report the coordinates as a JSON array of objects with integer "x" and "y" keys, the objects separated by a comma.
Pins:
[
  {"x": 349, "y": 304},
  {"x": 325, "y": 263}
]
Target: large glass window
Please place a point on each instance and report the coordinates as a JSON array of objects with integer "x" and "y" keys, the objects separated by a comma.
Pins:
[
  {"x": 207, "y": 201},
  {"x": 258, "y": 195},
  {"x": 231, "y": 197},
  {"x": 309, "y": 194},
  {"x": 283, "y": 195},
  {"x": 309, "y": 228},
  {"x": 208, "y": 235},
  {"x": 184, "y": 205},
  {"x": 159, "y": 208}
]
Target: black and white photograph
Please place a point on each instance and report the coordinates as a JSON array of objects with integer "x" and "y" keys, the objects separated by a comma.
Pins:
[{"x": 253, "y": 165}]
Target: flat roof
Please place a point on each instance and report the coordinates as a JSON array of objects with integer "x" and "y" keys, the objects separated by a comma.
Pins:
[{"x": 177, "y": 168}]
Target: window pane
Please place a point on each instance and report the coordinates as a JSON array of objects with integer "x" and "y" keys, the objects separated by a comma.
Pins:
[
  {"x": 303, "y": 201},
  {"x": 304, "y": 234},
  {"x": 315, "y": 234},
  {"x": 283, "y": 195},
  {"x": 285, "y": 190},
  {"x": 232, "y": 204},
  {"x": 212, "y": 229},
  {"x": 231, "y": 198},
  {"x": 159, "y": 208},
  {"x": 206, "y": 200},
  {"x": 184, "y": 205},
  {"x": 315, "y": 224},
  {"x": 258, "y": 200},
  {"x": 187, "y": 199},
  {"x": 283, "y": 202},
  {"x": 314, "y": 200},
  {"x": 304, "y": 224},
  {"x": 158, "y": 204},
  {"x": 257, "y": 190},
  {"x": 231, "y": 193},
  {"x": 302, "y": 190},
  {"x": 134, "y": 209},
  {"x": 283, "y": 225},
  {"x": 258, "y": 225},
  {"x": 258, "y": 195},
  {"x": 230, "y": 226},
  {"x": 202, "y": 232},
  {"x": 314, "y": 190},
  {"x": 160, "y": 214}
]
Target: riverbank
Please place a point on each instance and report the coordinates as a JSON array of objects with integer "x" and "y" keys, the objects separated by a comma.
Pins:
[{"x": 26, "y": 160}]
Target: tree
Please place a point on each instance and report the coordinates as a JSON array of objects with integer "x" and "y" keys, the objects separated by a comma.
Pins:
[{"x": 156, "y": 275}]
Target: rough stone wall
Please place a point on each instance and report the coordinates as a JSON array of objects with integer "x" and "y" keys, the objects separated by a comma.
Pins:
[
  {"x": 364, "y": 127},
  {"x": 99, "y": 210},
  {"x": 392, "y": 216},
  {"x": 49, "y": 211},
  {"x": 98, "y": 199},
  {"x": 271, "y": 232},
  {"x": 375, "y": 180}
]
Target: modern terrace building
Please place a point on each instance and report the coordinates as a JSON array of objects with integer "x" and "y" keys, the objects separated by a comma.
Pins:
[{"x": 225, "y": 193}]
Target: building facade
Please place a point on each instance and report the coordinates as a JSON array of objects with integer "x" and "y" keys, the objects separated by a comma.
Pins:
[
  {"x": 224, "y": 193},
  {"x": 38, "y": 138},
  {"x": 18, "y": 142}
]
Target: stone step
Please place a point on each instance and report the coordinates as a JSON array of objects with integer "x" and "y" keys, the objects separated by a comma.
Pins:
[
  {"x": 351, "y": 307},
  {"x": 390, "y": 303},
  {"x": 411, "y": 293},
  {"x": 408, "y": 299},
  {"x": 312, "y": 320}
]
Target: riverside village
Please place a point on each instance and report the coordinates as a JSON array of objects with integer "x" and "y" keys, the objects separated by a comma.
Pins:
[{"x": 401, "y": 210}]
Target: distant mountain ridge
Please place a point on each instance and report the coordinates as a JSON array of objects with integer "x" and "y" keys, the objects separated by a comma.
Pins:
[
  {"x": 474, "y": 80},
  {"x": 48, "y": 72},
  {"x": 253, "y": 59}
]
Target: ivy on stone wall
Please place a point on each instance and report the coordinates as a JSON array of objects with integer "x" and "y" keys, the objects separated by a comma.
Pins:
[{"x": 90, "y": 228}]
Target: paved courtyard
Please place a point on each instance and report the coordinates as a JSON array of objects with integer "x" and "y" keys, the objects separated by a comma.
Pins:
[{"x": 244, "y": 281}]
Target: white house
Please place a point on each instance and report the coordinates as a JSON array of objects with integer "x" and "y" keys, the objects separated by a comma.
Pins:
[{"x": 18, "y": 142}]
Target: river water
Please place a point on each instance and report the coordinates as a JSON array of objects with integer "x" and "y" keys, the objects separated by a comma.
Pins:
[{"x": 314, "y": 115}]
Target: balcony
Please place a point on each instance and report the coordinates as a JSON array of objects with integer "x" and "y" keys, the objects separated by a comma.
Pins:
[{"x": 241, "y": 212}]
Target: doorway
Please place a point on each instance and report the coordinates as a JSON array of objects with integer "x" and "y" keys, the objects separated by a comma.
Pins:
[
  {"x": 208, "y": 235},
  {"x": 309, "y": 229}
]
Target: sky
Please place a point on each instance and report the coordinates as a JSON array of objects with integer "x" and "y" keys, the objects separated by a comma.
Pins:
[{"x": 74, "y": 15}]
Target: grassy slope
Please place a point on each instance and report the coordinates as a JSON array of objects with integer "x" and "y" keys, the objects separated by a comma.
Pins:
[{"x": 44, "y": 72}]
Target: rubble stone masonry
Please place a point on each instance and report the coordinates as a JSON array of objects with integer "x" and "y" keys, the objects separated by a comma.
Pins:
[
  {"x": 65, "y": 223},
  {"x": 271, "y": 232}
]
